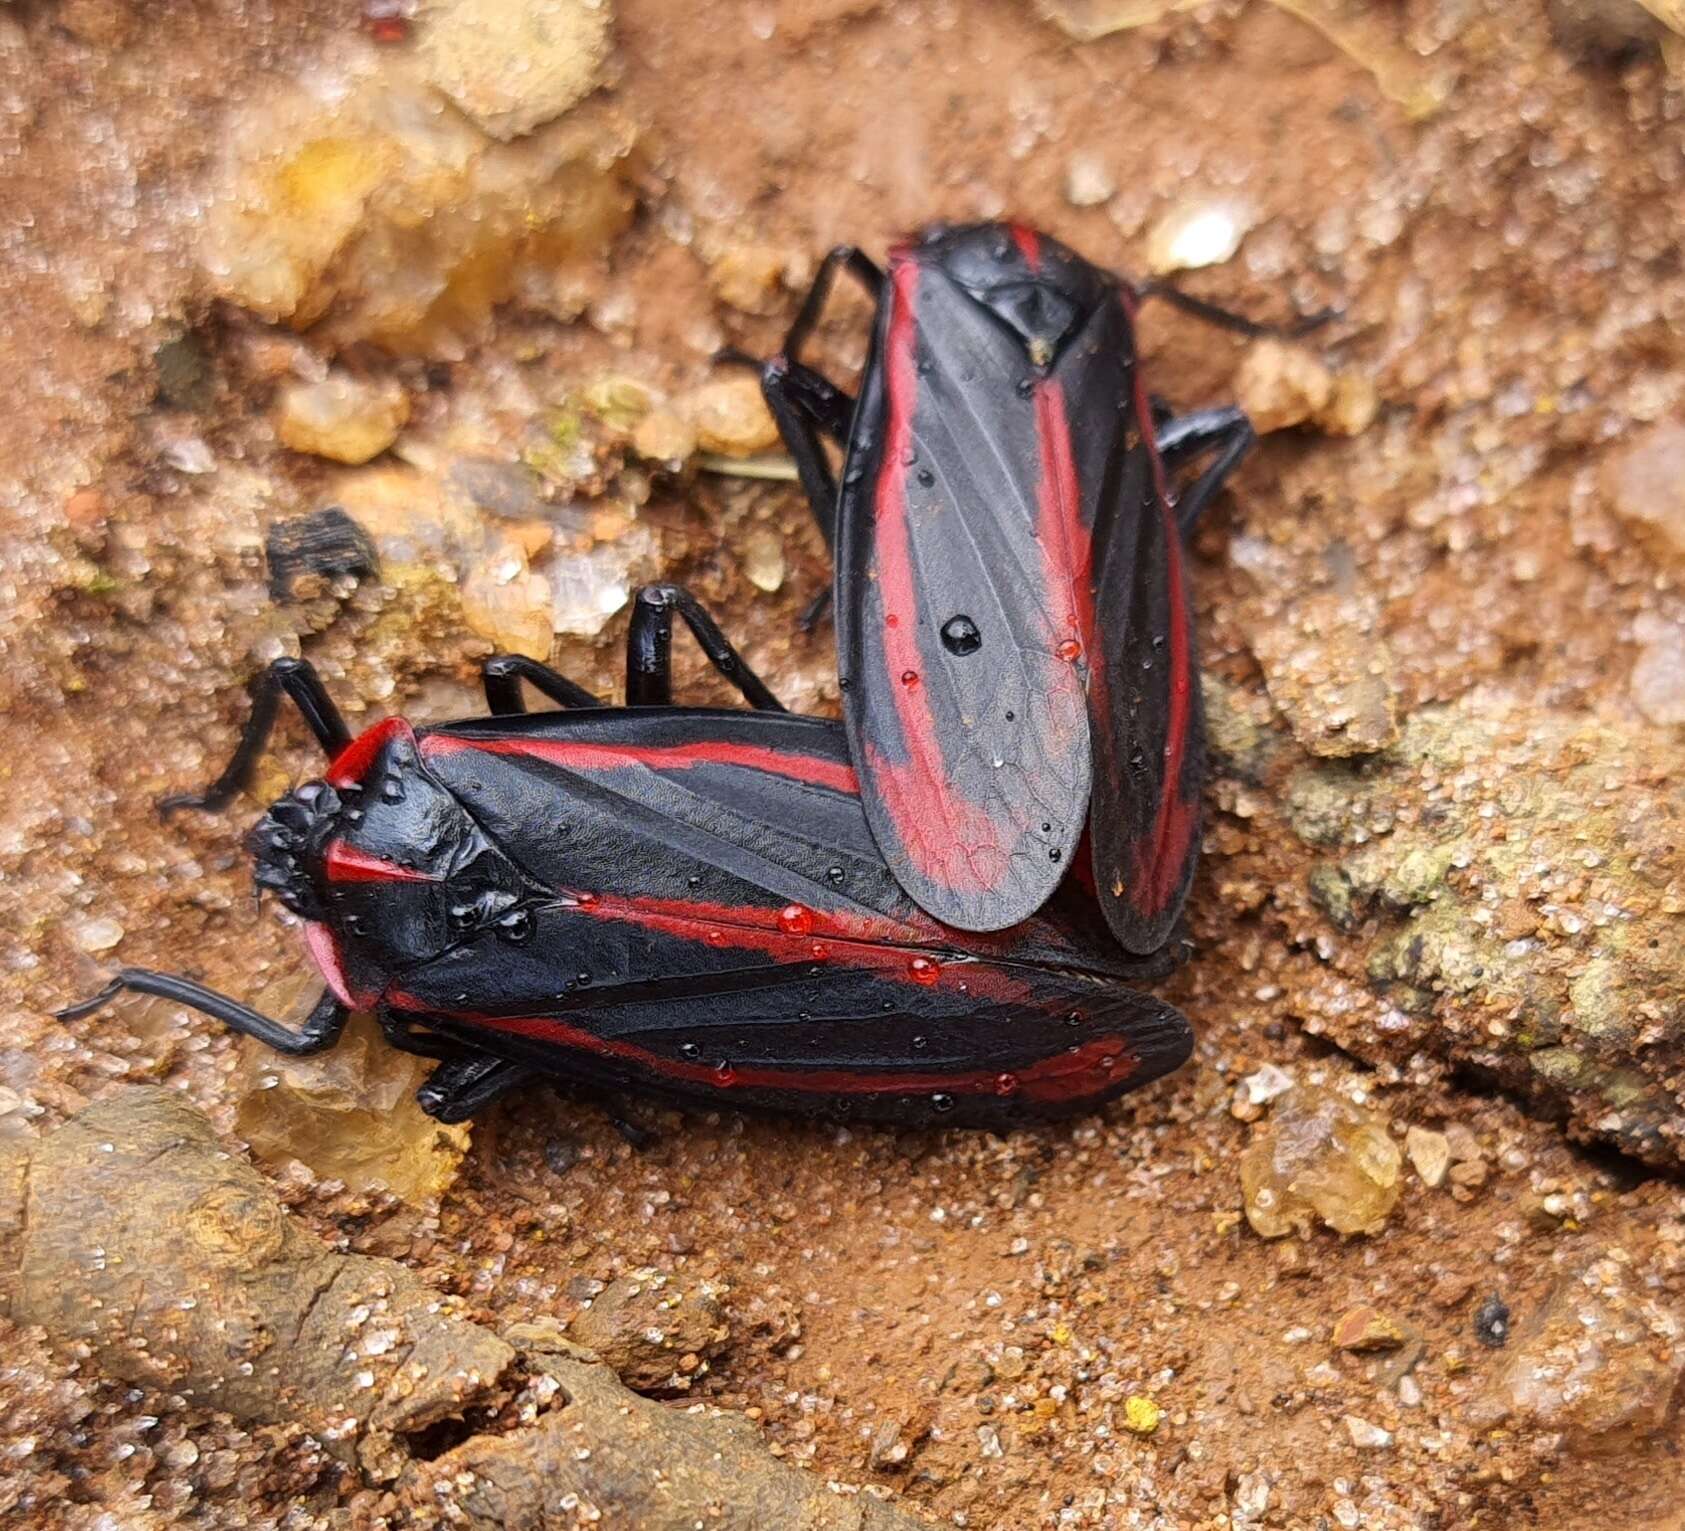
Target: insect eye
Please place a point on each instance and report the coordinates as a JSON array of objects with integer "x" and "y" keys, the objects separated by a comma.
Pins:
[{"x": 515, "y": 927}]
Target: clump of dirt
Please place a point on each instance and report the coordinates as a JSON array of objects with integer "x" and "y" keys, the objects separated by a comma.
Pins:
[{"x": 1441, "y": 876}]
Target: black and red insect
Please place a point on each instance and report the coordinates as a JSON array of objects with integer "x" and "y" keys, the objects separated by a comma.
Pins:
[
  {"x": 1014, "y": 628},
  {"x": 676, "y": 900}
]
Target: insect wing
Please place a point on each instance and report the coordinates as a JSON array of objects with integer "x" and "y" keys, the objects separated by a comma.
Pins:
[
  {"x": 1149, "y": 728},
  {"x": 962, "y": 567}
]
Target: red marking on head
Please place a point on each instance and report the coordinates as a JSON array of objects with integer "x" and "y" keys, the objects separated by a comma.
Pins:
[
  {"x": 1029, "y": 243},
  {"x": 948, "y": 838},
  {"x": 352, "y": 763},
  {"x": 583, "y": 755},
  {"x": 1161, "y": 852},
  {"x": 324, "y": 952},
  {"x": 1064, "y": 1077},
  {"x": 345, "y": 863}
]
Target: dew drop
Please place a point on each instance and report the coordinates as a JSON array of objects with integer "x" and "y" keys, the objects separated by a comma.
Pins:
[
  {"x": 724, "y": 1074},
  {"x": 1011, "y": 716},
  {"x": 960, "y": 635},
  {"x": 586, "y": 900},
  {"x": 835, "y": 875},
  {"x": 1055, "y": 854},
  {"x": 1026, "y": 386},
  {"x": 920, "y": 1043},
  {"x": 794, "y": 920},
  {"x": 1074, "y": 1018},
  {"x": 716, "y": 937},
  {"x": 1006, "y": 1084},
  {"x": 392, "y": 790},
  {"x": 820, "y": 951},
  {"x": 582, "y": 979},
  {"x": 926, "y": 478},
  {"x": 690, "y": 1050},
  {"x": 909, "y": 678},
  {"x": 891, "y": 619},
  {"x": 942, "y": 1103},
  {"x": 693, "y": 882},
  {"x": 909, "y": 456},
  {"x": 924, "y": 970},
  {"x": 1070, "y": 650}
]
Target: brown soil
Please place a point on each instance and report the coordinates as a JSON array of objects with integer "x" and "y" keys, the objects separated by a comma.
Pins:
[{"x": 1508, "y": 274}]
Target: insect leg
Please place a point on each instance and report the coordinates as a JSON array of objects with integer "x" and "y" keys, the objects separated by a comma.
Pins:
[
  {"x": 649, "y": 650},
  {"x": 319, "y": 1032},
  {"x": 459, "y": 1087},
  {"x": 502, "y": 674},
  {"x": 842, "y": 257},
  {"x": 1227, "y": 319},
  {"x": 1227, "y": 432},
  {"x": 293, "y": 678}
]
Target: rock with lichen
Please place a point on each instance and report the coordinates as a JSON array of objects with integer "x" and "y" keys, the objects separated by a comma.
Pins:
[{"x": 1503, "y": 886}]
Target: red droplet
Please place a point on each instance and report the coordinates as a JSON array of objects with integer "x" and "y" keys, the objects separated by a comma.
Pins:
[
  {"x": 794, "y": 920},
  {"x": 1069, "y": 650},
  {"x": 820, "y": 950},
  {"x": 1006, "y": 1084},
  {"x": 586, "y": 900},
  {"x": 891, "y": 620},
  {"x": 716, "y": 938},
  {"x": 909, "y": 678},
  {"x": 923, "y": 970},
  {"x": 1107, "y": 1063},
  {"x": 725, "y": 1075}
]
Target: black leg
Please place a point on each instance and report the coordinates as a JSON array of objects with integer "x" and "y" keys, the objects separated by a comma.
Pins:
[
  {"x": 1226, "y": 431},
  {"x": 843, "y": 257},
  {"x": 791, "y": 401},
  {"x": 649, "y": 650},
  {"x": 502, "y": 674},
  {"x": 458, "y": 1088},
  {"x": 294, "y": 678},
  {"x": 319, "y": 1032},
  {"x": 1226, "y": 319}
]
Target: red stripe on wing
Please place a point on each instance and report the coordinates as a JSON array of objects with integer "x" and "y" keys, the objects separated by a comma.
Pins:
[
  {"x": 935, "y": 827},
  {"x": 583, "y": 755},
  {"x": 1092, "y": 1068}
]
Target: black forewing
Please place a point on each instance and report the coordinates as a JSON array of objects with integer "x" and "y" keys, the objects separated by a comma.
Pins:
[
  {"x": 973, "y": 752},
  {"x": 1150, "y": 731}
]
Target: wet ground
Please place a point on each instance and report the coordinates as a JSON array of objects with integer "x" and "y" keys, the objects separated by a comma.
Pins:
[{"x": 1068, "y": 1327}]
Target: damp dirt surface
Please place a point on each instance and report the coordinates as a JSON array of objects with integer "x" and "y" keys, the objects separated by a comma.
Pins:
[{"x": 1070, "y": 1326}]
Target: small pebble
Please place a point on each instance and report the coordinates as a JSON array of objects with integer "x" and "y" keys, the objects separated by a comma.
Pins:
[
  {"x": 1088, "y": 180},
  {"x": 1196, "y": 234},
  {"x": 342, "y": 418},
  {"x": 1429, "y": 1153},
  {"x": 98, "y": 935},
  {"x": 1365, "y": 1435}
]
